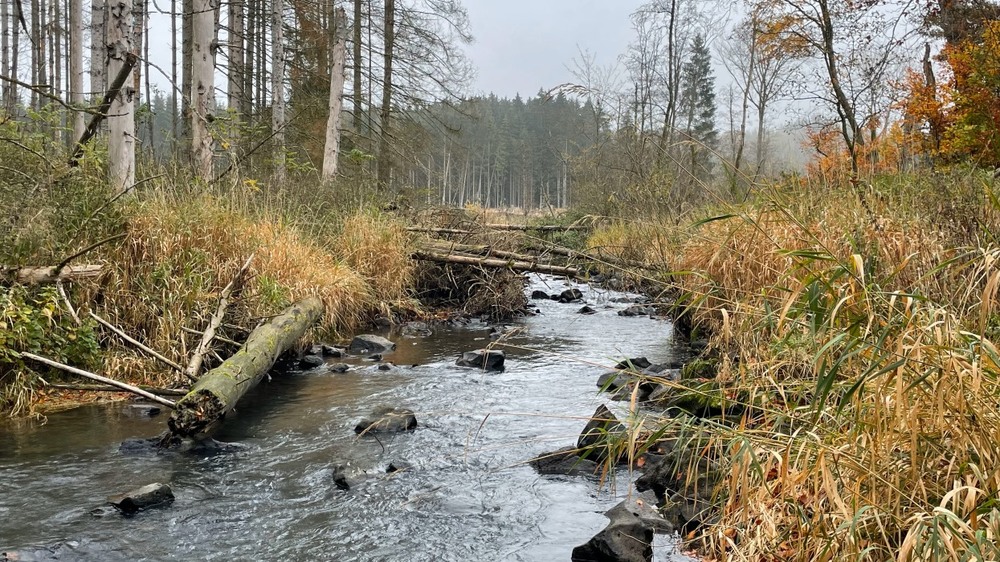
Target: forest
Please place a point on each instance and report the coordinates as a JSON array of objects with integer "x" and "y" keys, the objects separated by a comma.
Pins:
[{"x": 160, "y": 158}]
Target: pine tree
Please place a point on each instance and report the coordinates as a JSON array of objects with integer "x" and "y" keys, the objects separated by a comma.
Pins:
[{"x": 698, "y": 104}]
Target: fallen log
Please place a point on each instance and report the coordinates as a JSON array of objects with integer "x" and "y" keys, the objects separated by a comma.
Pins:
[
  {"x": 48, "y": 274},
  {"x": 540, "y": 227},
  {"x": 490, "y": 262},
  {"x": 432, "y": 230},
  {"x": 482, "y": 250},
  {"x": 217, "y": 391}
]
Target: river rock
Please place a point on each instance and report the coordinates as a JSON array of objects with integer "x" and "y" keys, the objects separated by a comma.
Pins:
[
  {"x": 638, "y": 363},
  {"x": 565, "y": 462},
  {"x": 370, "y": 343},
  {"x": 684, "y": 480},
  {"x": 637, "y": 310},
  {"x": 599, "y": 435},
  {"x": 613, "y": 381},
  {"x": 387, "y": 420},
  {"x": 416, "y": 330},
  {"x": 310, "y": 362},
  {"x": 142, "y": 410},
  {"x": 486, "y": 359},
  {"x": 642, "y": 506},
  {"x": 586, "y": 310},
  {"x": 540, "y": 295},
  {"x": 569, "y": 295},
  {"x": 151, "y": 495},
  {"x": 627, "y": 538},
  {"x": 346, "y": 476},
  {"x": 397, "y": 466},
  {"x": 331, "y": 351}
]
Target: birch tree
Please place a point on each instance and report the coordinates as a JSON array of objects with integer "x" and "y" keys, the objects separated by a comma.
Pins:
[
  {"x": 202, "y": 85},
  {"x": 338, "y": 57}
]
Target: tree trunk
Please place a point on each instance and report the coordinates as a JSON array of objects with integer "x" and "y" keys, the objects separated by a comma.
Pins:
[
  {"x": 331, "y": 151},
  {"x": 202, "y": 86},
  {"x": 76, "y": 64},
  {"x": 15, "y": 51},
  {"x": 278, "y": 89},
  {"x": 187, "y": 58},
  {"x": 5, "y": 10},
  {"x": 359, "y": 102},
  {"x": 98, "y": 48},
  {"x": 497, "y": 263},
  {"x": 218, "y": 391},
  {"x": 384, "y": 163},
  {"x": 121, "y": 115},
  {"x": 236, "y": 54}
]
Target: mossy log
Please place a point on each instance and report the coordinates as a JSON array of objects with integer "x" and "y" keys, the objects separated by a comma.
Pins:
[{"x": 217, "y": 391}]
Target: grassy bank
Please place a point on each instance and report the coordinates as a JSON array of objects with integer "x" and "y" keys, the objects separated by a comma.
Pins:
[
  {"x": 854, "y": 333},
  {"x": 172, "y": 246}
]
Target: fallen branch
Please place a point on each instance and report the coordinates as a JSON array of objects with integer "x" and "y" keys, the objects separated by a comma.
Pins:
[
  {"x": 217, "y": 336},
  {"x": 489, "y": 262},
  {"x": 217, "y": 391},
  {"x": 142, "y": 347},
  {"x": 432, "y": 230},
  {"x": 540, "y": 228},
  {"x": 482, "y": 250},
  {"x": 99, "y": 378},
  {"x": 48, "y": 274},
  {"x": 194, "y": 366},
  {"x": 109, "y": 388},
  {"x": 102, "y": 110}
]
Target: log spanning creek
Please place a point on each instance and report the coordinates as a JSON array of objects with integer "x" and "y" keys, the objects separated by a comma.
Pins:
[{"x": 467, "y": 492}]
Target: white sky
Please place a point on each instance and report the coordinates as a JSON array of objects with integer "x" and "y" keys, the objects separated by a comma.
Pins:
[{"x": 524, "y": 45}]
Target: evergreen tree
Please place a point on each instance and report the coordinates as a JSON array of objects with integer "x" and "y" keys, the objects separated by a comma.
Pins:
[{"x": 698, "y": 104}]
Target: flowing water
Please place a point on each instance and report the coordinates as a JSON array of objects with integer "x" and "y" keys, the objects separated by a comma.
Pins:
[{"x": 468, "y": 496}]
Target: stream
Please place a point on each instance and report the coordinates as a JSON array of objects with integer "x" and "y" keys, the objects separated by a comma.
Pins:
[{"x": 468, "y": 496}]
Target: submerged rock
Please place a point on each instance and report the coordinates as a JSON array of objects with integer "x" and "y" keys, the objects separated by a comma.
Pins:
[
  {"x": 397, "y": 466},
  {"x": 142, "y": 410},
  {"x": 387, "y": 420},
  {"x": 597, "y": 440},
  {"x": 417, "y": 330},
  {"x": 340, "y": 367},
  {"x": 310, "y": 362},
  {"x": 370, "y": 343},
  {"x": 486, "y": 359},
  {"x": 539, "y": 295},
  {"x": 569, "y": 295},
  {"x": 346, "y": 476},
  {"x": 586, "y": 310},
  {"x": 149, "y": 496},
  {"x": 637, "y": 310},
  {"x": 564, "y": 462}
]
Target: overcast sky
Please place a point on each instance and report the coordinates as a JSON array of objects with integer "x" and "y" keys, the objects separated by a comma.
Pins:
[{"x": 524, "y": 45}]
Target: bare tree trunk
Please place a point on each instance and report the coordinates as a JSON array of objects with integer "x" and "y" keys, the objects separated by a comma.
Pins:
[
  {"x": 247, "y": 107},
  {"x": 5, "y": 53},
  {"x": 15, "y": 51},
  {"x": 202, "y": 86},
  {"x": 76, "y": 64},
  {"x": 121, "y": 116},
  {"x": 278, "y": 89},
  {"x": 36, "y": 55},
  {"x": 384, "y": 163},
  {"x": 187, "y": 14},
  {"x": 331, "y": 152},
  {"x": 98, "y": 48},
  {"x": 359, "y": 102},
  {"x": 174, "y": 117},
  {"x": 150, "y": 116},
  {"x": 236, "y": 54}
]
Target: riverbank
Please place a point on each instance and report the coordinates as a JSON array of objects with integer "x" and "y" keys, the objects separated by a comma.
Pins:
[{"x": 846, "y": 408}]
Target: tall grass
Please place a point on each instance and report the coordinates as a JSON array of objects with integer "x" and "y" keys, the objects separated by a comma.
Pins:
[{"x": 863, "y": 330}]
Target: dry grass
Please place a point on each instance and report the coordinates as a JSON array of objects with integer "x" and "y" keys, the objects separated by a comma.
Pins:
[
  {"x": 178, "y": 256},
  {"x": 868, "y": 333}
]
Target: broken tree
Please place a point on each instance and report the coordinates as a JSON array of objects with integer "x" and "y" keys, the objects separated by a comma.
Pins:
[{"x": 218, "y": 391}]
